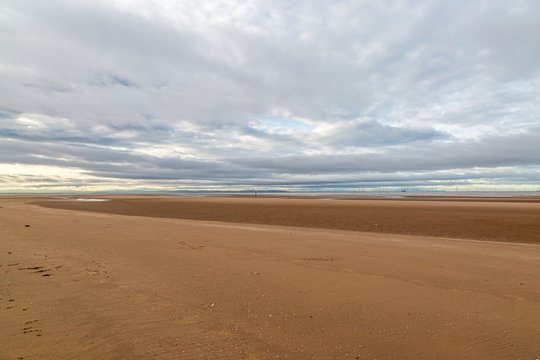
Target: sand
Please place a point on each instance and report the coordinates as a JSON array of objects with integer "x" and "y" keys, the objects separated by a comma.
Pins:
[
  {"x": 509, "y": 220},
  {"x": 239, "y": 278}
]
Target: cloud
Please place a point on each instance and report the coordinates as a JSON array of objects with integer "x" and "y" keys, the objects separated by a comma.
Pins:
[
  {"x": 271, "y": 93},
  {"x": 373, "y": 134}
]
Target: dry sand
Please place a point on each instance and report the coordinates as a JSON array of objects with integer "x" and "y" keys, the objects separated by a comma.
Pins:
[{"x": 96, "y": 284}]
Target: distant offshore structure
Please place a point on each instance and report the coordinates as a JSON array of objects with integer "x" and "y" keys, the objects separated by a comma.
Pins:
[{"x": 404, "y": 190}]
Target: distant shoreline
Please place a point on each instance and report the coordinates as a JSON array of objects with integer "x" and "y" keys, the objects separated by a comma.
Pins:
[{"x": 305, "y": 195}]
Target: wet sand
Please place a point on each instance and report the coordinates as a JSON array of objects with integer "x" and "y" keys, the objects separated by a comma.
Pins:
[
  {"x": 238, "y": 278},
  {"x": 494, "y": 219}
]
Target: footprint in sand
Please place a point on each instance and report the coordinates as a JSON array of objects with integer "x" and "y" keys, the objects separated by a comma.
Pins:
[
  {"x": 324, "y": 258},
  {"x": 31, "y": 330},
  {"x": 191, "y": 246},
  {"x": 39, "y": 270},
  {"x": 92, "y": 272},
  {"x": 31, "y": 268}
]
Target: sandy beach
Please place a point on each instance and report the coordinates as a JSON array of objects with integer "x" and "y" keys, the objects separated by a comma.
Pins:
[{"x": 157, "y": 277}]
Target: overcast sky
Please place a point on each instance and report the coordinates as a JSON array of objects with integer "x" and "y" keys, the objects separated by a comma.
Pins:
[{"x": 134, "y": 95}]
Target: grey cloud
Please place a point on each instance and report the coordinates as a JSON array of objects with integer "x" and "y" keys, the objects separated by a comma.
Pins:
[
  {"x": 495, "y": 151},
  {"x": 373, "y": 134}
]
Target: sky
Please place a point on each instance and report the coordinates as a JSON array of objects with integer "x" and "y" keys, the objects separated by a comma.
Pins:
[{"x": 284, "y": 95}]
